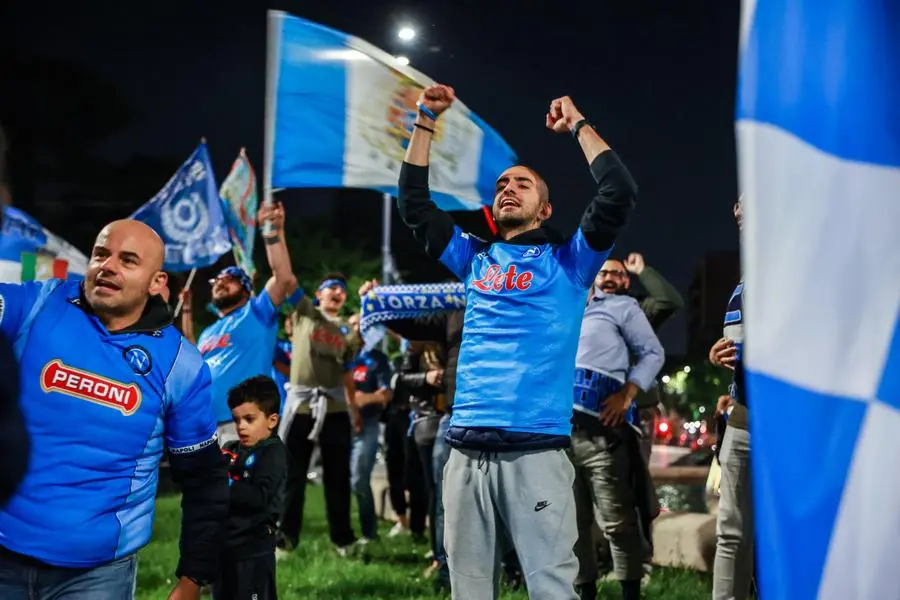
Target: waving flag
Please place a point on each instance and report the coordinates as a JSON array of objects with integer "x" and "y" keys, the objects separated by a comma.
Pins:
[
  {"x": 30, "y": 252},
  {"x": 187, "y": 213},
  {"x": 818, "y": 127},
  {"x": 340, "y": 113},
  {"x": 241, "y": 203}
]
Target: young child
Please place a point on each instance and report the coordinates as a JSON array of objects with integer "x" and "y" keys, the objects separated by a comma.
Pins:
[{"x": 256, "y": 477}]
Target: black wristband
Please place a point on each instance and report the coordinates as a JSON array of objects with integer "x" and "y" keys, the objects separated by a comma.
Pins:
[
  {"x": 577, "y": 129},
  {"x": 271, "y": 239},
  {"x": 428, "y": 129}
]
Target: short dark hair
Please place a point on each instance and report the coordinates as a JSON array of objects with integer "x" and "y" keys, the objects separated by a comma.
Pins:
[
  {"x": 260, "y": 390},
  {"x": 542, "y": 187}
]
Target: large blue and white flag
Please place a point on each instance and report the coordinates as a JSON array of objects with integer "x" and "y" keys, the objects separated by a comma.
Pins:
[
  {"x": 187, "y": 214},
  {"x": 340, "y": 113},
  {"x": 23, "y": 238},
  {"x": 818, "y": 128}
]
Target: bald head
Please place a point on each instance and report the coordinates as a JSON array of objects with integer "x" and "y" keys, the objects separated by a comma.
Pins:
[
  {"x": 141, "y": 237},
  {"x": 124, "y": 272}
]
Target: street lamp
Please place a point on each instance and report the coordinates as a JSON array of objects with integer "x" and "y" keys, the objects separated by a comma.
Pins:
[
  {"x": 406, "y": 34},
  {"x": 687, "y": 369}
]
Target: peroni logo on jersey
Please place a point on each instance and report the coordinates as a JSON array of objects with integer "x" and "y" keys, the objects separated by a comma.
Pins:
[{"x": 59, "y": 377}]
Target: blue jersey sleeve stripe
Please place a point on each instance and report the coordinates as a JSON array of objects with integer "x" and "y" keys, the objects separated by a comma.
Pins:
[
  {"x": 136, "y": 518},
  {"x": 43, "y": 291},
  {"x": 189, "y": 421},
  {"x": 458, "y": 254}
]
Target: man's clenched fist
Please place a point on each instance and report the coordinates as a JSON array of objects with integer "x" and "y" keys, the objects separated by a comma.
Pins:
[
  {"x": 635, "y": 263},
  {"x": 437, "y": 98},
  {"x": 563, "y": 115}
]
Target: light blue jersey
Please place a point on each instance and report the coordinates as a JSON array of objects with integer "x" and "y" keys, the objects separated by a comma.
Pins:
[
  {"x": 239, "y": 346},
  {"x": 100, "y": 408}
]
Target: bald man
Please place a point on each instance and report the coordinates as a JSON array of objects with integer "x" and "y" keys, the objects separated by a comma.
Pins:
[{"x": 107, "y": 384}]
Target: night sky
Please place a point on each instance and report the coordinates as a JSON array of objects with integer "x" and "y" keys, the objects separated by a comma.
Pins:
[{"x": 656, "y": 78}]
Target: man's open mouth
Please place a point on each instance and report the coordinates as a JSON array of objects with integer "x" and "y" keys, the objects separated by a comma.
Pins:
[
  {"x": 107, "y": 285},
  {"x": 508, "y": 202}
]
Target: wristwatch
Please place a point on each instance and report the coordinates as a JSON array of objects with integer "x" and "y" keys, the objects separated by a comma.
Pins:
[{"x": 577, "y": 129}]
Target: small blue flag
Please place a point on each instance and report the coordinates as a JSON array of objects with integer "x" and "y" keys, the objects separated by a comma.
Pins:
[{"x": 187, "y": 214}]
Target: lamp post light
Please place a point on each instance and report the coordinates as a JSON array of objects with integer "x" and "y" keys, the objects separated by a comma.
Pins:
[{"x": 406, "y": 34}]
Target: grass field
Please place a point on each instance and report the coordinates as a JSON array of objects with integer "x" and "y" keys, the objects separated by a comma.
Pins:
[{"x": 391, "y": 568}]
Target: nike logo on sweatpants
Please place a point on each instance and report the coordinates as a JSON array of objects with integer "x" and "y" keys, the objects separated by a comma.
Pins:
[{"x": 541, "y": 505}]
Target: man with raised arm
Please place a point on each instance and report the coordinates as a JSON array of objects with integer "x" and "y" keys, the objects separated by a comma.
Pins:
[{"x": 508, "y": 476}]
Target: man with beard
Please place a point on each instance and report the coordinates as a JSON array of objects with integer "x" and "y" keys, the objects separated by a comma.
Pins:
[
  {"x": 508, "y": 475},
  {"x": 321, "y": 408},
  {"x": 241, "y": 344},
  {"x": 659, "y": 304},
  {"x": 605, "y": 447},
  {"x": 107, "y": 383}
]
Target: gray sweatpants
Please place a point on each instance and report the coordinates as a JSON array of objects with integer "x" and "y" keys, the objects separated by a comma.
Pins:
[
  {"x": 733, "y": 567},
  {"x": 603, "y": 483},
  {"x": 492, "y": 500}
]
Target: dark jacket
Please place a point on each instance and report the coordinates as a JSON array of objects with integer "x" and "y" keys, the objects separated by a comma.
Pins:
[
  {"x": 14, "y": 442},
  {"x": 661, "y": 302},
  {"x": 256, "y": 479},
  {"x": 444, "y": 328},
  {"x": 412, "y": 390}
]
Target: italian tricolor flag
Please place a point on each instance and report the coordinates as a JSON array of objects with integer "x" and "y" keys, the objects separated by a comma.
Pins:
[{"x": 38, "y": 267}]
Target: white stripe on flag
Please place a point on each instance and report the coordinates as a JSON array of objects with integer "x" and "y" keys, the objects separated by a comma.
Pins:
[{"x": 822, "y": 242}]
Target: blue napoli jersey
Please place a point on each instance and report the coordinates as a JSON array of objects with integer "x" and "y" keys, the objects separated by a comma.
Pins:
[
  {"x": 100, "y": 408},
  {"x": 524, "y": 305},
  {"x": 239, "y": 346}
]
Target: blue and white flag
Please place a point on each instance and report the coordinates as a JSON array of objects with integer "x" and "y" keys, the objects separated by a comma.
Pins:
[
  {"x": 818, "y": 128},
  {"x": 23, "y": 235},
  {"x": 387, "y": 303},
  {"x": 340, "y": 113},
  {"x": 187, "y": 214}
]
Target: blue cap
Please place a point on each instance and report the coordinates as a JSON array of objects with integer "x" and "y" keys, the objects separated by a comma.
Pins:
[{"x": 239, "y": 274}]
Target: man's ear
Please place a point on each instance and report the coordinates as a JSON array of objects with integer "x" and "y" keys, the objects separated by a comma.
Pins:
[
  {"x": 545, "y": 211},
  {"x": 273, "y": 421},
  {"x": 159, "y": 282}
]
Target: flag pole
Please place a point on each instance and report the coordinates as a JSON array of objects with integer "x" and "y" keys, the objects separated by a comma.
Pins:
[
  {"x": 275, "y": 20},
  {"x": 187, "y": 286},
  {"x": 386, "y": 259}
]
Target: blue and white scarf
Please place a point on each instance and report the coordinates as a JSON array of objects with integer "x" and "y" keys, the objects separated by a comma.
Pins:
[{"x": 408, "y": 301}]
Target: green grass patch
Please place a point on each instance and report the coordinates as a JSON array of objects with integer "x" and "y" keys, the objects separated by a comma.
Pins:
[{"x": 389, "y": 568}]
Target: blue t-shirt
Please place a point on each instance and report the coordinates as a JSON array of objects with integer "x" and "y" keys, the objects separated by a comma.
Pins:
[
  {"x": 100, "y": 408},
  {"x": 371, "y": 372},
  {"x": 238, "y": 346},
  {"x": 283, "y": 351},
  {"x": 524, "y": 305}
]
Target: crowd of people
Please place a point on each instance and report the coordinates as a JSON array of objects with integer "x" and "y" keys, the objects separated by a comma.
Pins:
[{"x": 514, "y": 429}]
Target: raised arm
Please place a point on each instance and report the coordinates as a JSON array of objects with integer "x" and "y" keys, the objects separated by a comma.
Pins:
[
  {"x": 608, "y": 212},
  {"x": 282, "y": 282},
  {"x": 432, "y": 227},
  {"x": 664, "y": 300}
]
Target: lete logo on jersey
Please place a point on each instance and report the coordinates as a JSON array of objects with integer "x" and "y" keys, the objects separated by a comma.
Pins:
[
  {"x": 495, "y": 279},
  {"x": 58, "y": 377}
]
